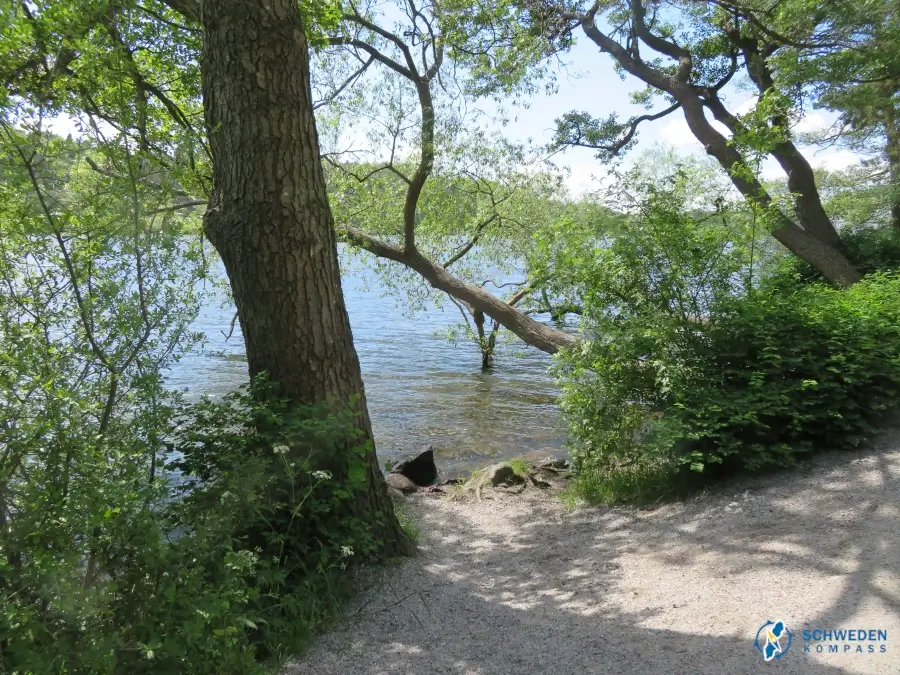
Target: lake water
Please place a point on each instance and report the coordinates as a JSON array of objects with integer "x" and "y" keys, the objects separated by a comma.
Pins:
[{"x": 421, "y": 388}]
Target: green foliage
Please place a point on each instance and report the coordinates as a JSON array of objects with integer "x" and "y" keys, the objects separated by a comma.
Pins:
[
  {"x": 645, "y": 286},
  {"x": 641, "y": 483},
  {"x": 845, "y": 59},
  {"x": 791, "y": 373},
  {"x": 240, "y": 559},
  {"x": 502, "y": 45},
  {"x": 113, "y": 68},
  {"x": 92, "y": 584},
  {"x": 693, "y": 366},
  {"x": 520, "y": 467},
  {"x": 280, "y": 484},
  {"x": 858, "y": 197},
  {"x": 407, "y": 521},
  {"x": 109, "y": 561}
]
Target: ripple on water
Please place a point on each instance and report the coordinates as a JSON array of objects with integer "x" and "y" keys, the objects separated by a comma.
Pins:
[{"x": 420, "y": 388}]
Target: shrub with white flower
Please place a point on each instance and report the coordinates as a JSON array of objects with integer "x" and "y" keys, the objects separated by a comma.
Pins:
[
  {"x": 280, "y": 449},
  {"x": 346, "y": 551},
  {"x": 321, "y": 475}
]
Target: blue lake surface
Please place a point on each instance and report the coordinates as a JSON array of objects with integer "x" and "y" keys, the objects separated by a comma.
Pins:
[{"x": 421, "y": 388}]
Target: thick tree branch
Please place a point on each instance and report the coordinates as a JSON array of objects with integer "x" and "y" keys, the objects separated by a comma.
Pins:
[
  {"x": 190, "y": 203},
  {"x": 532, "y": 332},
  {"x": 426, "y": 163},
  {"x": 577, "y": 129},
  {"x": 816, "y": 246},
  {"x": 771, "y": 33},
  {"x": 189, "y": 9},
  {"x": 479, "y": 230},
  {"x": 387, "y": 35},
  {"x": 478, "y": 299},
  {"x": 623, "y": 57},
  {"x": 808, "y": 206},
  {"x": 372, "y": 51},
  {"x": 818, "y": 253},
  {"x": 667, "y": 47}
]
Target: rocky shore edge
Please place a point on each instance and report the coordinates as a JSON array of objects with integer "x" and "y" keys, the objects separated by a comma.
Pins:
[{"x": 418, "y": 474}]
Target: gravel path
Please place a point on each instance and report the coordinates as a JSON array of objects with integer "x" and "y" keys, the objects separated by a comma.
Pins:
[{"x": 519, "y": 585}]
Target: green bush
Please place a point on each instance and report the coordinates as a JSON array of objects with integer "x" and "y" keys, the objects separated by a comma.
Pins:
[
  {"x": 289, "y": 478},
  {"x": 789, "y": 374},
  {"x": 644, "y": 285},
  {"x": 694, "y": 370},
  {"x": 241, "y": 559},
  {"x": 107, "y": 564},
  {"x": 772, "y": 376}
]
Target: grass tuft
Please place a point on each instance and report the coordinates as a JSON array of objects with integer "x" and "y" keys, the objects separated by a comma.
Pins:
[
  {"x": 407, "y": 522},
  {"x": 638, "y": 485},
  {"x": 520, "y": 467}
]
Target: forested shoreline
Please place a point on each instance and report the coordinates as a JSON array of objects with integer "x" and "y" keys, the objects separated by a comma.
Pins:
[{"x": 708, "y": 316}]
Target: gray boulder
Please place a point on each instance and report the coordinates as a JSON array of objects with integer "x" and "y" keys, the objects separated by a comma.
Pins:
[
  {"x": 394, "y": 493},
  {"x": 401, "y": 483},
  {"x": 553, "y": 464}
]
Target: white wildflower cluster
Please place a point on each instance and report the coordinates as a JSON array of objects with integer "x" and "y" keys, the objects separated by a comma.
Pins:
[
  {"x": 280, "y": 449},
  {"x": 321, "y": 475},
  {"x": 346, "y": 551}
]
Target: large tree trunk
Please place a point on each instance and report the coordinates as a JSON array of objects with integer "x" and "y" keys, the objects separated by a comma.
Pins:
[
  {"x": 270, "y": 220},
  {"x": 820, "y": 244},
  {"x": 827, "y": 259},
  {"x": 801, "y": 182},
  {"x": 892, "y": 148}
]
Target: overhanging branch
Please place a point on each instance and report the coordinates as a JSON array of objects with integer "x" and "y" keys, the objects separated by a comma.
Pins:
[{"x": 610, "y": 136}]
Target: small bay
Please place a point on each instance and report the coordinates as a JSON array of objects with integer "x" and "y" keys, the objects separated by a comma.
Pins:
[{"x": 421, "y": 388}]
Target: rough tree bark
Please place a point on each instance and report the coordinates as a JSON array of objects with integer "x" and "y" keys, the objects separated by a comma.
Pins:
[
  {"x": 826, "y": 258},
  {"x": 270, "y": 220}
]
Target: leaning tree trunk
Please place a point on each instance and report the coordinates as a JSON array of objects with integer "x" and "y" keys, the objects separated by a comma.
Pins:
[
  {"x": 270, "y": 220},
  {"x": 827, "y": 259},
  {"x": 892, "y": 148}
]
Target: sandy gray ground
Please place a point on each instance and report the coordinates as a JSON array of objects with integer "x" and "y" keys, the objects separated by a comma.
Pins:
[{"x": 519, "y": 585}]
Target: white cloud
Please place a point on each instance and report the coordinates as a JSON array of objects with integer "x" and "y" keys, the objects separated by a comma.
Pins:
[
  {"x": 745, "y": 106},
  {"x": 675, "y": 133},
  {"x": 830, "y": 160},
  {"x": 770, "y": 169},
  {"x": 814, "y": 121},
  {"x": 584, "y": 176},
  {"x": 835, "y": 160},
  {"x": 63, "y": 125},
  {"x": 66, "y": 125}
]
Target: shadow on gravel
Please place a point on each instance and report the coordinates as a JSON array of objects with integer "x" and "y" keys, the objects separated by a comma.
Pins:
[{"x": 678, "y": 590}]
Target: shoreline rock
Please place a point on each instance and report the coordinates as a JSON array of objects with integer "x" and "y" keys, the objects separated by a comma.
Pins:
[
  {"x": 419, "y": 475},
  {"x": 420, "y": 469},
  {"x": 400, "y": 483}
]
